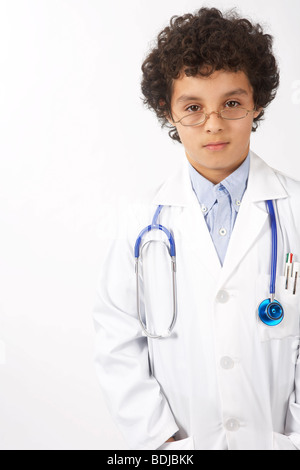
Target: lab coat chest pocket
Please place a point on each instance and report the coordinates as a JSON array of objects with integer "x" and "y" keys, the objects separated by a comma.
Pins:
[{"x": 290, "y": 303}]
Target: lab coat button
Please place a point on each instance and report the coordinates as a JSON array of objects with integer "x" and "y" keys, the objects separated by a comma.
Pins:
[
  {"x": 227, "y": 363},
  {"x": 222, "y": 296},
  {"x": 232, "y": 425}
]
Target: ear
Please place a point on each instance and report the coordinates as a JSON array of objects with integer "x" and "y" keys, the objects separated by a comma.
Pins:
[
  {"x": 257, "y": 112},
  {"x": 170, "y": 120},
  {"x": 167, "y": 115}
]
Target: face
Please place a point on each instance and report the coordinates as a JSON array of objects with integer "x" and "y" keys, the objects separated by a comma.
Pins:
[{"x": 217, "y": 147}]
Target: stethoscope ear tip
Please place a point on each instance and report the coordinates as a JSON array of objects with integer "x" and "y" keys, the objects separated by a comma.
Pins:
[{"x": 270, "y": 312}]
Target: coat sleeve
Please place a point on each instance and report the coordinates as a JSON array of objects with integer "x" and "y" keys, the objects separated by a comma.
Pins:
[
  {"x": 290, "y": 440},
  {"x": 293, "y": 414},
  {"x": 134, "y": 397},
  {"x": 292, "y": 429}
]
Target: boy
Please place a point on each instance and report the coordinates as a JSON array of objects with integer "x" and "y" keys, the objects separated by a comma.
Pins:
[{"x": 221, "y": 378}]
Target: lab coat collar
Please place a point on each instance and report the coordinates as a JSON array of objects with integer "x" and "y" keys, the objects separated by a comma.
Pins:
[{"x": 263, "y": 184}]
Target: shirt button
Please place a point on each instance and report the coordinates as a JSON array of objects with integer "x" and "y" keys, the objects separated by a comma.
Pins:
[
  {"x": 232, "y": 425},
  {"x": 238, "y": 203},
  {"x": 222, "y": 296},
  {"x": 204, "y": 209},
  {"x": 227, "y": 363},
  {"x": 222, "y": 232}
]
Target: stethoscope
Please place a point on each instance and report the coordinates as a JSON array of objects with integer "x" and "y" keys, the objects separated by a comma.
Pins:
[
  {"x": 172, "y": 252},
  {"x": 270, "y": 311}
]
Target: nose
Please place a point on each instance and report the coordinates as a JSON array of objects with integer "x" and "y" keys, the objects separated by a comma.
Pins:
[{"x": 213, "y": 123}]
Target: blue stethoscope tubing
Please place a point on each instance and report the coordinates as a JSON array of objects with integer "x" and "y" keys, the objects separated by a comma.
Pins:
[
  {"x": 172, "y": 252},
  {"x": 270, "y": 311}
]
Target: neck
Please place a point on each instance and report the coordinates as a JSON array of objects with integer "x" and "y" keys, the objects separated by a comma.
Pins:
[{"x": 216, "y": 175}]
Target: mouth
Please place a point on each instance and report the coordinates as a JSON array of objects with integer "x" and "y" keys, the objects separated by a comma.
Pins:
[{"x": 216, "y": 145}]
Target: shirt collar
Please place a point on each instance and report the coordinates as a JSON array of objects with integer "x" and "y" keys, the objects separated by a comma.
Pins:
[{"x": 235, "y": 184}]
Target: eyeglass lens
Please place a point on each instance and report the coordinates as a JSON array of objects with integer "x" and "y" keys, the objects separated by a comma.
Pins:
[{"x": 228, "y": 113}]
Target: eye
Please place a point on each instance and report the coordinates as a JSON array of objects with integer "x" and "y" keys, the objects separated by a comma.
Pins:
[
  {"x": 194, "y": 108},
  {"x": 232, "y": 104}
]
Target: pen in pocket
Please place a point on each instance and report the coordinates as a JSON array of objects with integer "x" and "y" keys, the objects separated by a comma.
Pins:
[
  {"x": 296, "y": 267},
  {"x": 288, "y": 269}
]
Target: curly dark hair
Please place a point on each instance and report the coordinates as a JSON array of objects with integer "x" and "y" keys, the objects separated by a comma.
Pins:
[{"x": 200, "y": 44}]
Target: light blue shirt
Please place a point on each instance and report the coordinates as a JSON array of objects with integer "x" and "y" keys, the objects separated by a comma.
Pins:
[{"x": 220, "y": 203}]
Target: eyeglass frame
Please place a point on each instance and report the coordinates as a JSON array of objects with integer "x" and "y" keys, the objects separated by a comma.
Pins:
[{"x": 207, "y": 115}]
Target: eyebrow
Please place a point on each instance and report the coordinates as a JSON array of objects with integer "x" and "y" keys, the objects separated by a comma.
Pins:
[{"x": 238, "y": 91}]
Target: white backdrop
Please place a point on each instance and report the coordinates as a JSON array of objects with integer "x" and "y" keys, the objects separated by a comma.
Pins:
[{"x": 76, "y": 145}]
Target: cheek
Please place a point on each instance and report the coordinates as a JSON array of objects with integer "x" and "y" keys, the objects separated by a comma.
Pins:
[
  {"x": 189, "y": 135},
  {"x": 240, "y": 130},
  {"x": 244, "y": 131}
]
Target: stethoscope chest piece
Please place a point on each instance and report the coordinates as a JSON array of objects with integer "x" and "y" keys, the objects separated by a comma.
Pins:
[{"x": 270, "y": 312}]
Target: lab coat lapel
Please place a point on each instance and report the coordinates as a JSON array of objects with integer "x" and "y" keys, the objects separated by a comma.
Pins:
[
  {"x": 263, "y": 184},
  {"x": 200, "y": 240},
  {"x": 178, "y": 191}
]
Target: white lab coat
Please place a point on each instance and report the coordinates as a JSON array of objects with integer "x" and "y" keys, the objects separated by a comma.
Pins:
[{"x": 222, "y": 379}]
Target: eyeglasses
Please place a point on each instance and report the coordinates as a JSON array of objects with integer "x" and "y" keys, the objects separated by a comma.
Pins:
[{"x": 195, "y": 119}]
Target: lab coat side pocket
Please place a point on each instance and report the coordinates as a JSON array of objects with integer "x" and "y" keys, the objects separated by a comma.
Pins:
[
  {"x": 181, "y": 444},
  {"x": 282, "y": 442},
  {"x": 290, "y": 302}
]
